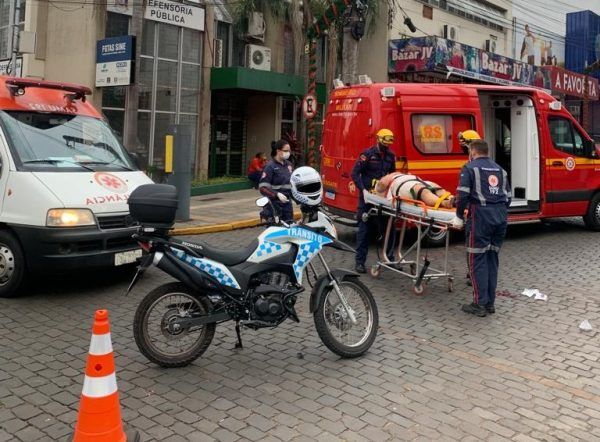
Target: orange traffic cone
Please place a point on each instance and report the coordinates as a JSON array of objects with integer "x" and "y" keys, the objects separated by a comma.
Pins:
[{"x": 99, "y": 410}]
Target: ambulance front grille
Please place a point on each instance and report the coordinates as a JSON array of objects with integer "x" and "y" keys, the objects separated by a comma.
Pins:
[{"x": 108, "y": 222}]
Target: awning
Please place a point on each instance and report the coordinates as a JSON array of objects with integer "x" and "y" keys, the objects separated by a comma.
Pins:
[{"x": 231, "y": 78}]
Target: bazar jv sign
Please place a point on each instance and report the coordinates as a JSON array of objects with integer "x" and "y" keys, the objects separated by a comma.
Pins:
[
  {"x": 177, "y": 14},
  {"x": 114, "y": 60}
]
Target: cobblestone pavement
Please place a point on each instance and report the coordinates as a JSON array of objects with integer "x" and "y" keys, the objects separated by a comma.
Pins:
[{"x": 526, "y": 373}]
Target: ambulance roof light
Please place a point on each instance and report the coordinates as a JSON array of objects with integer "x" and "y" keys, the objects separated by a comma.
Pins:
[
  {"x": 337, "y": 83},
  {"x": 17, "y": 86},
  {"x": 388, "y": 92},
  {"x": 556, "y": 105}
]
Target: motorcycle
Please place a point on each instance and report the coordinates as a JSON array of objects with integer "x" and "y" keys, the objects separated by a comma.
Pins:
[{"x": 256, "y": 286}]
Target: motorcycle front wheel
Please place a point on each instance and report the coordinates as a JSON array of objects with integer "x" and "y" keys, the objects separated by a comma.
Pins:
[
  {"x": 155, "y": 333},
  {"x": 334, "y": 326}
]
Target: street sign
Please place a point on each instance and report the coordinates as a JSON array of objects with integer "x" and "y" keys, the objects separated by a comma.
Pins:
[
  {"x": 114, "y": 60},
  {"x": 309, "y": 106}
]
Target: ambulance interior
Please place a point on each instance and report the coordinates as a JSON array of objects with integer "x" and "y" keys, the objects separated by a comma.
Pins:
[{"x": 511, "y": 131}]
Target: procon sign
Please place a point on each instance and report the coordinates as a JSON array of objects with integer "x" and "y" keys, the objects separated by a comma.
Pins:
[
  {"x": 572, "y": 83},
  {"x": 177, "y": 14}
]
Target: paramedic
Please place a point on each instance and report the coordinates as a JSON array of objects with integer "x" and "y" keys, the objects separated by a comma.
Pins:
[
  {"x": 275, "y": 182},
  {"x": 371, "y": 165},
  {"x": 465, "y": 138},
  {"x": 483, "y": 189}
]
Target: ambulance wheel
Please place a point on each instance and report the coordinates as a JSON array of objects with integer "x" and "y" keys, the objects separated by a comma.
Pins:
[
  {"x": 419, "y": 289},
  {"x": 592, "y": 217},
  {"x": 12, "y": 265},
  {"x": 375, "y": 271}
]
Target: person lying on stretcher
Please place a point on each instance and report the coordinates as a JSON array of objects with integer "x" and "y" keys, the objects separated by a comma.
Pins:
[{"x": 413, "y": 187}]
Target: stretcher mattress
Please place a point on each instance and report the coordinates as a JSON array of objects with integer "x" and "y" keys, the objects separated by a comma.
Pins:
[{"x": 442, "y": 215}]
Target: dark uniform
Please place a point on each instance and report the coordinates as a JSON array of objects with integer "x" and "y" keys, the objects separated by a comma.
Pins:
[
  {"x": 276, "y": 178},
  {"x": 370, "y": 166},
  {"x": 485, "y": 192}
]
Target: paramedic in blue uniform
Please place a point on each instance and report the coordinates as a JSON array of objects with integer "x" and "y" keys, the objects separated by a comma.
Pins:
[
  {"x": 371, "y": 165},
  {"x": 483, "y": 191},
  {"x": 275, "y": 182}
]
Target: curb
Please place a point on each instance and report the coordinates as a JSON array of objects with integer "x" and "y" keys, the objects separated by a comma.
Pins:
[{"x": 213, "y": 228}]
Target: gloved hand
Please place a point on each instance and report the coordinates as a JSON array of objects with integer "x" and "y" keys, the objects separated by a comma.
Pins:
[
  {"x": 282, "y": 197},
  {"x": 365, "y": 193}
]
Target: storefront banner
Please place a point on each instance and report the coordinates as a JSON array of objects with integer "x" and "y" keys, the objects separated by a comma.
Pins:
[
  {"x": 17, "y": 72},
  {"x": 114, "y": 60},
  {"x": 120, "y": 6},
  {"x": 572, "y": 83},
  {"x": 177, "y": 14},
  {"x": 435, "y": 53},
  {"x": 535, "y": 42}
]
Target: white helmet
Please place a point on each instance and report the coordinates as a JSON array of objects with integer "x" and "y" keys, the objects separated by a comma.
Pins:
[{"x": 306, "y": 186}]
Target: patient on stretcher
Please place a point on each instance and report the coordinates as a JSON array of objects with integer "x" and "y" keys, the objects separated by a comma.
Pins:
[{"x": 412, "y": 187}]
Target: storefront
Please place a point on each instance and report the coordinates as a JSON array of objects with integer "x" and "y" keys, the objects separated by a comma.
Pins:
[{"x": 168, "y": 77}]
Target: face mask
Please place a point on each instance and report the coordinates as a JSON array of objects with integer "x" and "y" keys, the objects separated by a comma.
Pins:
[{"x": 285, "y": 155}]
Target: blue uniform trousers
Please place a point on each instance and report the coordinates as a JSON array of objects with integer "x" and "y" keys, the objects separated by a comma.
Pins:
[
  {"x": 485, "y": 230},
  {"x": 284, "y": 210}
]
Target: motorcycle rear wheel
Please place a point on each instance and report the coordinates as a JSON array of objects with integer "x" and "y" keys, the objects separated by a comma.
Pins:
[
  {"x": 335, "y": 329},
  {"x": 155, "y": 335}
]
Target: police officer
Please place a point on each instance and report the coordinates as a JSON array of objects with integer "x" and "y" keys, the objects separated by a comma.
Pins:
[
  {"x": 484, "y": 191},
  {"x": 275, "y": 182},
  {"x": 371, "y": 165}
]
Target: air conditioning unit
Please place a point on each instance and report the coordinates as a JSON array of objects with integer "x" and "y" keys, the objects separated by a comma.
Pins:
[
  {"x": 256, "y": 26},
  {"x": 218, "y": 53},
  {"x": 451, "y": 32},
  {"x": 258, "y": 57}
]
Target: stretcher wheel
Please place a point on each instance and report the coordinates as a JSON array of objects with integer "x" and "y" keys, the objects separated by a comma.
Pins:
[
  {"x": 375, "y": 270},
  {"x": 450, "y": 285},
  {"x": 419, "y": 289}
]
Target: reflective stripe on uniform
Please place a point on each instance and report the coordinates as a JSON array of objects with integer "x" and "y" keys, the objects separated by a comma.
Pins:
[
  {"x": 478, "y": 249},
  {"x": 275, "y": 187},
  {"x": 495, "y": 249},
  {"x": 100, "y": 344},
  {"x": 100, "y": 386},
  {"x": 478, "y": 186},
  {"x": 265, "y": 185},
  {"x": 463, "y": 189}
]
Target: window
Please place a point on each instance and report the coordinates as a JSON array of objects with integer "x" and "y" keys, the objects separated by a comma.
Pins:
[
  {"x": 113, "y": 98},
  {"x": 169, "y": 85},
  {"x": 437, "y": 134},
  {"x": 223, "y": 34},
  {"x": 565, "y": 137},
  {"x": 5, "y": 31},
  {"x": 477, "y": 11}
]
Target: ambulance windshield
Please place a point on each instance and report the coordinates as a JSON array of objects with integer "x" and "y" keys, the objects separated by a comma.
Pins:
[{"x": 57, "y": 142}]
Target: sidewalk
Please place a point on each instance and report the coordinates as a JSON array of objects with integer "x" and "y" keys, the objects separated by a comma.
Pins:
[{"x": 220, "y": 212}]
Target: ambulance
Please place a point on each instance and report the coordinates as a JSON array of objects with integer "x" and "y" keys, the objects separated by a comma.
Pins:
[
  {"x": 552, "y": 163},
  {"x": 64, "y": 183}
]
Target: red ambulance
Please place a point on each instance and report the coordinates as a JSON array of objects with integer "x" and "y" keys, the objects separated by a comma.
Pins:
[{"x": 553, "y": 165}]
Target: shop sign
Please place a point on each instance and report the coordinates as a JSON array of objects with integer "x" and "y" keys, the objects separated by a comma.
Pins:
[
  {"x": 572, "y": 83},
  {"x": 178, "y": 14},
  {"x": 114, "y": 59},
  {"x": 428, "y": 54},
  {"x": 5, "y": 64},
  {"x": 120, "y": 6}
]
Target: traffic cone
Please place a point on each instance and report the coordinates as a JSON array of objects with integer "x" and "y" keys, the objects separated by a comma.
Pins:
[{"x": 99, "y": 410}]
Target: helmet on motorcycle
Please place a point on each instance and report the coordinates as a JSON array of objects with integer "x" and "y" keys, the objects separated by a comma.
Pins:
[{"x": 306, "y": 186}]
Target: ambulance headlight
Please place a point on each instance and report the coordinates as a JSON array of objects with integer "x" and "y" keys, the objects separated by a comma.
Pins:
[{"x": 70, "y": 218}]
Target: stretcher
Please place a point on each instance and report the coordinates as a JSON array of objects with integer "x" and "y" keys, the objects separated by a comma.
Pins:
[{"x": 425, "y": 219}]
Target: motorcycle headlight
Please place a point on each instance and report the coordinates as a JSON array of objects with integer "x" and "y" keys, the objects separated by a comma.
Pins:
[{"x": 70, "y": 218}]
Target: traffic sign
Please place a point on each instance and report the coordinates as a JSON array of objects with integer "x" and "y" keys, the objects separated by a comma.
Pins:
[{"x": 309, "y": 106}]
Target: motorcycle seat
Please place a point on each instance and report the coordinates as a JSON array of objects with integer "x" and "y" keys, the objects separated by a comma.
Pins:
[{"x": 227, "y": 257}]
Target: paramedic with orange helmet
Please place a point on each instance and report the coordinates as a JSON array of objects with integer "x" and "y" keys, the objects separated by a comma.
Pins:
[{"x": 372, "y": 164}]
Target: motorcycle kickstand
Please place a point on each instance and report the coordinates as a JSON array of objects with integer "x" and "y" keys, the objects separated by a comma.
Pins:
[{"x": 238, "y": 344}]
